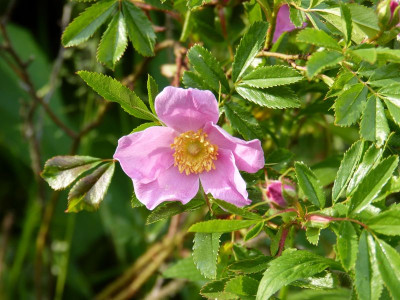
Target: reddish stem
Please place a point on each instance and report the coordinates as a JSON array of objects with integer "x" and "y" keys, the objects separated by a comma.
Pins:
[{"x": 282, "y": 241}]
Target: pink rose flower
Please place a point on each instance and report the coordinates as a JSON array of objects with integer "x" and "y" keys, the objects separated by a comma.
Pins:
[
  {"x": 274, "y": 192},
  {"x": 283, "y": 22},
  {"x": 167, "y": 163}
]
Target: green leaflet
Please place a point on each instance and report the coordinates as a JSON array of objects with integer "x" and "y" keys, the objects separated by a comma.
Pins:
[
  {"x": 185, "y": 269},
  {"x": 347, "y": 243},
  {"x": 347, "y": 167},
  {"x": 370, "y": 159},
  {"x": 387, "y": 222},
  {"x": 291, "y": 266},
  {"x": 61, "y": 171},
  {"x": 233, "y": 209},
  {"x": 385, "y": 76},
  {"x": 296, "y": 16},
  {"x": 191, "y": 79},
  {"x": 371, "y": 184},
  {"x": 251, "y": 265},
  {"x": 135, "y": 201},
  {"x": 319, "y": 61},
  {"x": 221, "y": 226},
  {"x": 318, "y": 38},
  {"x": 323, "y": 280},
  {"x": 374, "y": 126},
  {"x": 114, "y": 42},
  {"x": 90, "y": 190},
  {"x": 253, "y": 232},
  {"x": 86, "y": 24},
  {"x": 274, "y": 97},
  {"x": 169, "y": 209},
  {"x": 343, "y": 81},
  {"x": 248, "y": 48},
  {"x": 364, "y": 20},
  {"x": 152, "y": 91},
  {"x": 243, "y": 121},
  {"x": 113, "y": 90},
  {"x": 243, "y": 286},
  {"x": 312, "y": 235},
  {"x": 350, "y": 104},
  {"x": 208, "y": 68},
  {"x": 391, "y": 95},
  {"x": 310, "y": 185},
  {"x": 140, "y": 30},
  {"x": 368, "y": 281},
  {"x": 269, "y": 76},
  {"x": 347, "y": 25},
  {"x": 386, "y": 54},
  {"x": 205, "y": 253},
  {"x": 389, "y": 267},
  {"x": 144, "y": 126},
  {"x": 215, "y": 290},
  {"x": 365, "y": 53}
]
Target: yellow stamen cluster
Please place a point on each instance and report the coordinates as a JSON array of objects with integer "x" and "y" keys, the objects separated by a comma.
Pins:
[{"x": 194, "y": 153}]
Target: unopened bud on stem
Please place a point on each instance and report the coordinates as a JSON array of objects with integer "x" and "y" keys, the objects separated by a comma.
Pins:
[{"x": 274, "y": 193}]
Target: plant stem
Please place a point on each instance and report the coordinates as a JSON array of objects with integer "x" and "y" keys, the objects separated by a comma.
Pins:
[
  {"x": 25, "y": 77},
  {"x": 271, "y": 28},
  {"x": 264, "y": 53},
  {"x": 282, "y": 241}
]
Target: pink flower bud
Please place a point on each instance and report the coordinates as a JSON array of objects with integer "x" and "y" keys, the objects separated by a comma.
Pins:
[
  {"x": 320, "y": 219},
  {"x": 274, "y": 192},
  {"x": 393, "y": 5}
]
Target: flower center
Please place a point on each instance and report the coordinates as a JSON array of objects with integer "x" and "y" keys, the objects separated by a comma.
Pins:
[{"x": 194, "y": 153}]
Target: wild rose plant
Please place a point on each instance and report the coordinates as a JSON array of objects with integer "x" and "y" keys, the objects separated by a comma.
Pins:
[{"x": 318, "y": 111}]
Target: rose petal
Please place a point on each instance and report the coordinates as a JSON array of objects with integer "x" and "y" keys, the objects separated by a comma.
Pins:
[
  {"x": 186, "y": 109},
  {"x": 283, "y": 22},
  {"x": 249, "y": 156},
  {"x": 225, "y": 182},
  {"x": 143, "y": 155},
  {"x": 170, "y": 185}
]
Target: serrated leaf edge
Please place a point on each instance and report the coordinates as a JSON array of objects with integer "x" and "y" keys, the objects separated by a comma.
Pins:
[
  {"x": 271, "y": 67},
  {"x": 84, "y": 40},
  {"x": 273, "y": 106},
  {"x": 122, "y": 53}
]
